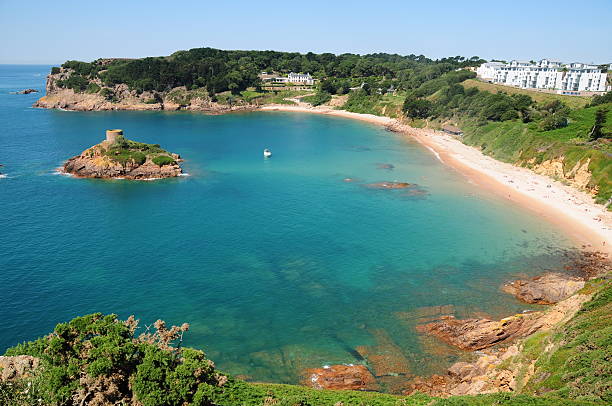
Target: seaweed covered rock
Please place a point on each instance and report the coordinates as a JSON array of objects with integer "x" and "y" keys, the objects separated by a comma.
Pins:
[{"x": 118, "y": 157}]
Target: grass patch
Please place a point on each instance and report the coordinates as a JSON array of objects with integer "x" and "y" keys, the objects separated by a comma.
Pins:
[
  {"x": 124, "y": 151},
  {"x": 162, "y": 160},
  {"x": 574, "y": 102},
  {"x": 519, "y": 143},
  {"x": 580, "y": 368}
]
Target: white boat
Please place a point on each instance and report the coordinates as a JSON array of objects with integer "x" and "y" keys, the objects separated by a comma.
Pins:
[{"x": 267, "y": 153}]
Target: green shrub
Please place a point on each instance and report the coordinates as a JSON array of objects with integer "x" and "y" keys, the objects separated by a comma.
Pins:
[
  {"x": 92, "y": 88},
  {"x": 55, "y": 70},
  {"x": 108, "y": 94},
  {"x": 318, "y": 98},
  {"x": 75, "y": 82},
  {"x": 97, "y": 350},
  {"x": 417, "y": 108},
  {"x": 360, "y": 101},
  {"x": 162, "y": 160},
  {"x": 605, "y": 98}
]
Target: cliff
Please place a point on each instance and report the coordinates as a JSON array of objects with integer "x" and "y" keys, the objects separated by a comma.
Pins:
[
  {"x": 118, "y": 157},
  {"x": 91, "y": 94}
]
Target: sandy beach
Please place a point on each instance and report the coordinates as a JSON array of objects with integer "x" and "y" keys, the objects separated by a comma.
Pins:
[{"x": 588, "y": 223}]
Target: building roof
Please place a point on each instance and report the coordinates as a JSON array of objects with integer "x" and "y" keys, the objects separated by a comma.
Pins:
[{"x": 451, "y": 128}]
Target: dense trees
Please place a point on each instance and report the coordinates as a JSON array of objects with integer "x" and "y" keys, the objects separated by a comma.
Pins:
[
  {"x": 597, "y": 131},
  {"x": 554, "y": 115},
  {"x": 417, "y": 108},
  {"x": 219, "y": 70}
]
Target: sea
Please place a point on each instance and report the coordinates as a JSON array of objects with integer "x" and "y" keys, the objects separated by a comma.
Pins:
[{"x": 278, "y": 265}]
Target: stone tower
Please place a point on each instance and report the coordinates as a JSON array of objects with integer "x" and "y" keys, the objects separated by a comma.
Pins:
[{"x": 112, "y": 135}]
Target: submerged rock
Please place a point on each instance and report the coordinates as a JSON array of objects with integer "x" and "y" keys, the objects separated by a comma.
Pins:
[
  {"x": 385, "y": 166},
  {"x": 385, "y": 358},
  {"x": 118, "y": 157},
  {"x": 389, "y": 185},
  {"x": 549, "y": 288},
  {"x": 341, "y": 377}
]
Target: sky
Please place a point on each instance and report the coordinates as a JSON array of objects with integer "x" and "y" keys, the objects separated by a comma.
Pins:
[{"x": 51, "y": 32}]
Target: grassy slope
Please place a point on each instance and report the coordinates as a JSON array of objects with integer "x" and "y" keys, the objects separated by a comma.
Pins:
[
  {"x": 572, "y": 101},
  {"x": 580, "y": 364},
  {"x": 244, "y": 394},
  {"x": 515, "y": 142},
  {"x": 573, "y": 360}
]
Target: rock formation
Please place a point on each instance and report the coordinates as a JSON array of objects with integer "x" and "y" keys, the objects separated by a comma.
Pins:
[
  {"x": 121, "y": 97},
  {"x": 389, "y": 185},
  {"x": 347, "y": 377},
  {"x": 549, "y": 288},
  {"x": 27, "y": 91},
  {"x": 14, "y": 368},
  {"x": 118, "y": 157},
  {"x": 476, "y": 334}
]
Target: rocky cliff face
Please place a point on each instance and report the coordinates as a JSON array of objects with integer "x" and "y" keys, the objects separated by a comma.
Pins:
[
  {"x": 578, "y": 176},
  {"x": 120, "y": 97}
]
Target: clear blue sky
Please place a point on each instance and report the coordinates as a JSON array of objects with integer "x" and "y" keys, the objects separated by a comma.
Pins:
[{"x": 53, "y": 31}]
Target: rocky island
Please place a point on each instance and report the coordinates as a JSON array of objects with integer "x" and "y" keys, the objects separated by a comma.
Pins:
[{"x": 119, "y": 158}]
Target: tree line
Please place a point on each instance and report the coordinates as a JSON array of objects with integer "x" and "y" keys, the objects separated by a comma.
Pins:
[{"x": 222, "y": 70}]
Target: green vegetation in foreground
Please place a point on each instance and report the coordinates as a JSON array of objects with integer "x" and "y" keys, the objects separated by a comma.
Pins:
[
  {"x": 124, "y": 151},
  {"x": 572, "y": 367}
]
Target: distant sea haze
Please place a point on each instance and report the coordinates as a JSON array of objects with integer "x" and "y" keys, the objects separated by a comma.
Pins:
[{"x": 278, "y": 264}]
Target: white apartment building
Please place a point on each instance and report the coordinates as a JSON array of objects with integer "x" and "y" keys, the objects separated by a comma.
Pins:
[{"x": 545, "y": 74}]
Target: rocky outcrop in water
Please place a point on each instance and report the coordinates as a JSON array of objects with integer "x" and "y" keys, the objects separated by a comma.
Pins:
[
  {"x": 117, "y": 157},
  {"x": 476, "y": 334},
  {"x": 389, "y": 185},
  {"x": 341, "y": 377},
  {"x": 27, "y": 91},
  {"x": 549, "y": 288}
]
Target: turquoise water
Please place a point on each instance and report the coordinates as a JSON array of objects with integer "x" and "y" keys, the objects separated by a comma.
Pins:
[{"x": 277, "y": 264}]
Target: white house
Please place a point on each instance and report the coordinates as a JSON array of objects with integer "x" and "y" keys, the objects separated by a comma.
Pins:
[
  {"x": 545, "y": 74},
  {"x": 301, "y": 78}
]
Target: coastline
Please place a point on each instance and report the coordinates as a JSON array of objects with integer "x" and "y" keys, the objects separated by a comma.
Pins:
[{"x": 575, "y": 212}]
